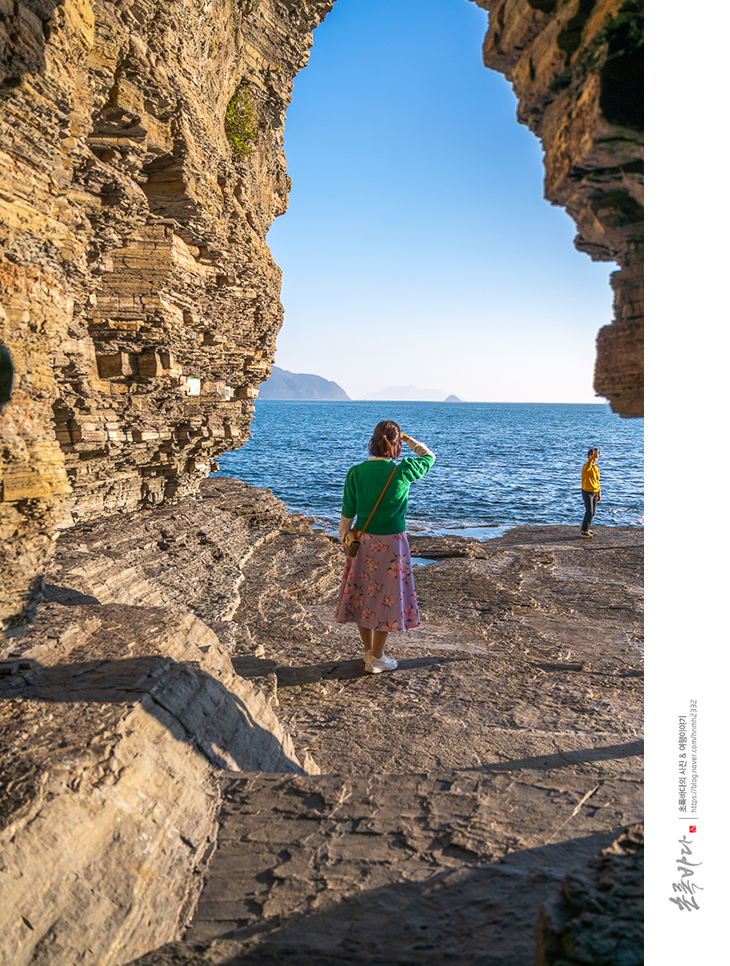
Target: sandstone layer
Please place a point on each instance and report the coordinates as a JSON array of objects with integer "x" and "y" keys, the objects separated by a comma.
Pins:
[
  {"x": 133, "y": 252},
  {"x": 185, "y": 727}
]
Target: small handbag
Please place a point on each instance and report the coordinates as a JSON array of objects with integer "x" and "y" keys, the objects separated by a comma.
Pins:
[
  {"x": 351, "y": 543},
  {"x": 351, "y": 540}
]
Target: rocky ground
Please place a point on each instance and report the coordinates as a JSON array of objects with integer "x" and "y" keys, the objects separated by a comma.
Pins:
[{"x": 186, "y": 693}]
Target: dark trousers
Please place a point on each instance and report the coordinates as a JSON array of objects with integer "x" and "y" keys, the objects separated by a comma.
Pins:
[{"x": 591, "y": 501}]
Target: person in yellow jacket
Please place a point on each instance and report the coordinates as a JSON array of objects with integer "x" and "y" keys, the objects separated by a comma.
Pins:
[{"x": 590, "y": 484}]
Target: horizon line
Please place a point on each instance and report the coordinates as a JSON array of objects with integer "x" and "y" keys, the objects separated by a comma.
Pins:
[{"x": 491, "y": 402}]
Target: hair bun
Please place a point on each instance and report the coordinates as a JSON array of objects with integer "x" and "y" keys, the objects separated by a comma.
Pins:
[{"x": 385, "y": 440}]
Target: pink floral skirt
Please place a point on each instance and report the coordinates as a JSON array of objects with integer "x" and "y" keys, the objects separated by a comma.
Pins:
[{"x": 377, "y": 588}]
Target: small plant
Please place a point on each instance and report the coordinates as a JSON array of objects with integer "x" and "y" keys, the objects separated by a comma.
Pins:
[{"x": 241, "y": 124}]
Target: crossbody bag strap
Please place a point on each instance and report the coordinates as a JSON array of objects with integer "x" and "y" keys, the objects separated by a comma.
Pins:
[{"x": 379, "y": 499}]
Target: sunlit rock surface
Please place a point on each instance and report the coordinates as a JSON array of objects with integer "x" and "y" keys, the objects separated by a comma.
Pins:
[{"x": 118, "y": 708}]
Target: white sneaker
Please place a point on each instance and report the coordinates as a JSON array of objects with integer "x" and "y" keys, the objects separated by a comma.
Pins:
[{"x": 378, "y": 664}]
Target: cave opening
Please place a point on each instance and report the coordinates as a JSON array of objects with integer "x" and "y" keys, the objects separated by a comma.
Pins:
[
  {"x": 6, "y": 376},
  {"x": 417, "y": 222}
]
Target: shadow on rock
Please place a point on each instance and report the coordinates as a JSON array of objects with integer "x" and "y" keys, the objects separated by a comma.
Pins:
[
  {"x": 162, "y": 659},
  {"x": 474, "y": 915},
  {"x": 193, "y": 705},
  {"x": 567, "y": 759},
  {"x": 67, "y": 596},
  {"x": 26, "y": 30},
  {"x": 348, "y": 670}
]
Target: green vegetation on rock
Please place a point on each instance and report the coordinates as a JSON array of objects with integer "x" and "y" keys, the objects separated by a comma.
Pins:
[{"x": 241, "y": 124}]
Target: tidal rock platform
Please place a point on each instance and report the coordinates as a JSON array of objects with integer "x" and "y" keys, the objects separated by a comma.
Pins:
[{"x": 196, "y": 769}]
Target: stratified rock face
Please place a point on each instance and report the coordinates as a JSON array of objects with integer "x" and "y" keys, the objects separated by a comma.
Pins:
[
  {"x": 134, "y": 253},
  {"x": 577, "y": 69}
]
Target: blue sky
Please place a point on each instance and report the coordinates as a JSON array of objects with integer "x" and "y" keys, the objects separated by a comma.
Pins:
[{"x": 418, "y": 248}]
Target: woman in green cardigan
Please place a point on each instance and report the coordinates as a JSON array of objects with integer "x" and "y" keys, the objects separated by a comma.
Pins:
[{"x": 377, "y": 590}]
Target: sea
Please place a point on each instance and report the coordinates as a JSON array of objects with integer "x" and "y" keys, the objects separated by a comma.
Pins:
[{"x": 498, "y": 465}]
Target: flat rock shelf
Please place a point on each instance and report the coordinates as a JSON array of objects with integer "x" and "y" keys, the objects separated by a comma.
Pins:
[{"x": 256, "y": 798}]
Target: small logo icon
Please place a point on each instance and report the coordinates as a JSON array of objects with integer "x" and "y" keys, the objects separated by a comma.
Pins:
[{"x": 693, "y": 828}]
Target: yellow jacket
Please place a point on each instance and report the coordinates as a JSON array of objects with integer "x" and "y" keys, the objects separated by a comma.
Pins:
[{"x": 590, "y": 478}]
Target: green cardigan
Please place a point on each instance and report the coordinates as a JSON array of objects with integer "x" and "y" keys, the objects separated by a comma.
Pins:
[{"x": 364, "y": 484}]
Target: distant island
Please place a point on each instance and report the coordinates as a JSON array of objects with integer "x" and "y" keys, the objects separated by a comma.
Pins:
[
  {"x": 411, "y": 394},
  {"x": 282, "y": 384},
  {"x": 299, "y": 385}
]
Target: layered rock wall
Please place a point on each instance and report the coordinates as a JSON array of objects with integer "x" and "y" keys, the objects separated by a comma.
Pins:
[
  {"x": 576, "y": 67},
  {"x": 133, "y": 250}
]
